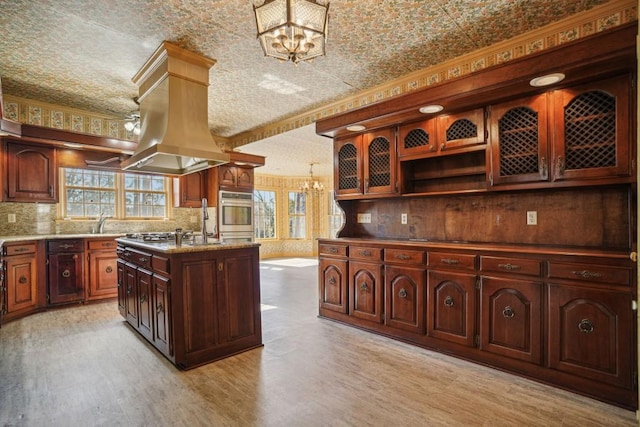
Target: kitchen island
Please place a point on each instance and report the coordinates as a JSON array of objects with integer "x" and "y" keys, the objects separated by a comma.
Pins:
[{"x": 195, "y": 303}]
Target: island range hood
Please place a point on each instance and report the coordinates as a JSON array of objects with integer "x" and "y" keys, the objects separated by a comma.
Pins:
[{"x": 174, "y": 128}]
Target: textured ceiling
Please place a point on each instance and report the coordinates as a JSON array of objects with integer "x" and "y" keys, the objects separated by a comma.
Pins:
[{"x": 83, "y": 54}]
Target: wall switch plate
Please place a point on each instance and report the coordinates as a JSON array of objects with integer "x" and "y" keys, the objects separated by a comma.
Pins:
[
  {"x": 532, "y": 218},
  {"x": 11, "y": 218},
  {"x": 364, "y": 218},
  {"x": 403, "y": 218}
]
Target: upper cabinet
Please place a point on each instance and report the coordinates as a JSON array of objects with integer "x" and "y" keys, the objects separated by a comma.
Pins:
[
  {"x": 188, "y": 190},
  {"x": 366, "y": 164},
  {"x": 577, "y": 133},
  {"x": 235, "y": 178},
  {"x": 31, "y": 174}
]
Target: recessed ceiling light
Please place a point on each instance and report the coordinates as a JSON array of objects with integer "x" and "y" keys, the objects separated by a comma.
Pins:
[
  {"x": 356, "y": 128},
  {"x": 430, "y": 109},
  {"x": 547, "y": 80}
]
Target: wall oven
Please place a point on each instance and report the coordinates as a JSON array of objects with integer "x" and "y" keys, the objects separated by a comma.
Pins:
[{"x": 235, "y": 216}]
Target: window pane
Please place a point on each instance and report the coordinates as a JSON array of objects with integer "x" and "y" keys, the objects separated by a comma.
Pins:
[
  {"x": 297, "y": 211},
  {"x": 297, "y": 227},
  {"x": 83, "y": 197},
  {"x": 264, "y": 214}
]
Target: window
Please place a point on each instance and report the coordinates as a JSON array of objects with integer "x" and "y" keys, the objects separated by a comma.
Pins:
[
  {"x": 297, "y": 215},
  {"x": 88, "y": 193},
  {"x": 264, "y": 214}
]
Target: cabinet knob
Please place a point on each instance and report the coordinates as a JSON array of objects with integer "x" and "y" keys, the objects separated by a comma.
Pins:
[
  {"x": 402, "y": 293},
  {"x": 363, "y": 287},
  {"x": 509, "y": 267},
  {"x": 22, "y": 280},
  {"x": 143, "y": 298},
  {"x": 109, "y": 269},
  {"x": 585, "y": 326},
  {"x": 508, "y": 312},
  {"x": 448, "y": 301},
  {"x": 66, "y": 273},
  {"x": 332, "y": 280},
  {"x": 159, "y": 308}
]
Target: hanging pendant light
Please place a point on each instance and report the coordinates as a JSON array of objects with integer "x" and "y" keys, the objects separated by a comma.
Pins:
[
  {"x": 311, "y": 185},
  {"x": 292, "y": 30}
]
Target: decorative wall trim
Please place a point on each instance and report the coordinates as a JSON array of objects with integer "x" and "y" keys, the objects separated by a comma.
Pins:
[{"x": 600, "y": 18}]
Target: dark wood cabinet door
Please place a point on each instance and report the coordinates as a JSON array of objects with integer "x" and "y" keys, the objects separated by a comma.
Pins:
[
  {"x": 511, "y": 318},
  {"x": 199, "y": 290},
  {"x": 592, "y": 132},
  {"x": 405, "y": 298},
  {"x": 348, "y": 167},
  {"x": 451, "y": 306},
  {"x": 365, "y": 291},
  {"x": 161, "y": 312},
  {"x": 244, "y": 179},
  {"x": 131, "y": 292},
  {"x": 103, "y": 281},
  {"x": 461, "y": 130},
  {"x": 66, "y": 280},
  {"x": 417, "y": 140},
  {"x": 519, "y": 141},
  {"x": 227, "y": 177},
  {"x": 145, "y": 303},
  {"x": 31, "y": 174},
  {"x": 21, "y": 280},
  {"x": 591, "y": 333},
  {"x": 379, "y": 150},
  {"x": 122, "y": 288},
  {"x": 190, "y": 189},
  {"x": 333, "y": 284},
  {"x": 237, "y": 299}
]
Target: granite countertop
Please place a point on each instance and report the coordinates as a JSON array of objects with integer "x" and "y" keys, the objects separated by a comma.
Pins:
[
  {"x": 9, "y": 239},
  {"x": 171, "y": 247}
]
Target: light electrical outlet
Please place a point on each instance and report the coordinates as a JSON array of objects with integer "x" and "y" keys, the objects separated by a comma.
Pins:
[
  {"x": 11, "y": 218},
  {"x": 532, "y": 218},
  {"x": 364, "y": 218},
  {"x": 403, "y": 218}
]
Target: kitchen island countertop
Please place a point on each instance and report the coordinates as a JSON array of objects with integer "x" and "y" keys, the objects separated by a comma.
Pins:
[{"x": 171, "y": 247}]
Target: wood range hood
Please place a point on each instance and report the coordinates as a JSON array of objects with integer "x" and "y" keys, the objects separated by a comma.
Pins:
[{"x": 173, "y": 96}]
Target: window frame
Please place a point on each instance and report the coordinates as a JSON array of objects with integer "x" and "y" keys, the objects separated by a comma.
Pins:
[
  {"x": 293, "y": 215},
  {"x": 275, "y": 213}
]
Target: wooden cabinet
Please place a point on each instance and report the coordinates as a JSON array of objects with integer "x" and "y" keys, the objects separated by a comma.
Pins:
[
  {"x": 65, "y": 262},
  {"x": 20, "y": 277},
  {"x": 102, "y": 273},
  {"x": 333, "y": 284},
  {"x": 122, "y": 287},
  {"x": 366, "y": 164},
  {"x": 194, "y": 307},
  {"x": 190, "y": 189},
  {"x": 31, "y": 173},
  {"x": 511, "y": 318},
  {"x": 365, "y": 291},
  {"x": 451, "y": 306},
  {"x": 235, "y": 178},
  {"x": 576, "y": 133},
  {"x": 405, "y": 297}
]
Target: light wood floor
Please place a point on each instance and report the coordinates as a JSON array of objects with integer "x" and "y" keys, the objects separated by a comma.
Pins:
[{"x": 84, "y": 366}]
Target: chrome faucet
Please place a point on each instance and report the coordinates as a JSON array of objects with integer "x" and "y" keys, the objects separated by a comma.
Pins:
[
  {"x": 100, "y": 226},
  {"x": 205, "y": 217}
]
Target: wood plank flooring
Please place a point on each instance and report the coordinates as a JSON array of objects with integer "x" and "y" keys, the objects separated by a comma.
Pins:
[{"x": 84, "y": 366}]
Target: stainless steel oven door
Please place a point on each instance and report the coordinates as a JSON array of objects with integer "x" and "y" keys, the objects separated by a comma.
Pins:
[{"x": 235, "y": 212}]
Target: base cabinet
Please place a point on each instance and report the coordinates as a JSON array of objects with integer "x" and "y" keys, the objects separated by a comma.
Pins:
[
  {"x": 565, "y": 320},
  {"x": 193, "y": 306},
  {"x": 101, "y": 269}
]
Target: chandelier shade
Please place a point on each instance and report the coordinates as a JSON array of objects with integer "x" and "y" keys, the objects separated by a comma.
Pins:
[
  {"x": 311, "y": 185},
  {"x": 292, "y": 30}
]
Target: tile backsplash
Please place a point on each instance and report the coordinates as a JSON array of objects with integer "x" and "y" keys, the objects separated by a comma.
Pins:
[{"x": 41, "y": 219}]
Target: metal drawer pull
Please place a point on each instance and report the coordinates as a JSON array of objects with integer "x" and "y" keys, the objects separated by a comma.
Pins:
[
  {"x": 451, "y": 261},
  {"x": 402, "y": 293},
  {"x": 159, "y": 309},
  {"x": 128, "y": 289},
  {"x": 585, "y": 274},
  {"x": 66, "y": 273},
  {"x": 332, "y": 281},
  {"x": 448, "y": 301},
  {"x": 332, "y": 250},
  {"x": 509, "y": 267},
  {"x": 22, "y": 280},
  {"x": 508, "y": 312},
  {"x": 143, "y": 298},
  {"x": 364, "y": 287},
  {"x": 66, "y": 245},
  {"x": 585, "y": 326},
  {"x": 403, "y": 256},
  {"x": 365, "y": 253},
  {"x": 109, "y": 269},
  {"x": 20, "y": 250},
  {"x": 143, "y": 259}
]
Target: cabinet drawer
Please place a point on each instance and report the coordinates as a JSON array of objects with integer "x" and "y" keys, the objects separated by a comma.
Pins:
[
  {"x": 529, "y": 267},
  {"x": 363, "y": 252},
  {"x": 337, "y": 250},
  {"x": 67, "y": 245},
  {"x": 591, "y": 273},
  {"x": 102, "y": 244},
  {"x": 404, "y": 256},
  {"x": 160, "y": 264},
  {"x": 20, "y": 248},
  {"x": 452, "y": 260},
  {"x": 141, "y": 259}
]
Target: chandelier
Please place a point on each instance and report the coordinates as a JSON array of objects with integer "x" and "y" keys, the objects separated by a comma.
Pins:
[
  {"x": 311, "y": 185},
  {"x": 292, "y": 30},
  {"x": 133, "y": 124}
]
